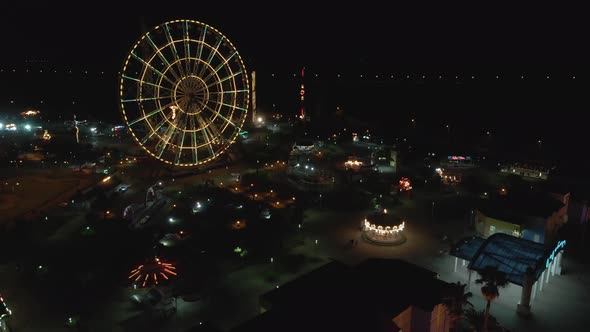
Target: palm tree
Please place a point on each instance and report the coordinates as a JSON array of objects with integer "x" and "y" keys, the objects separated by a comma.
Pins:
[
  {"x": 455, "y": 299},
  {"x": 492, "y": 279}
]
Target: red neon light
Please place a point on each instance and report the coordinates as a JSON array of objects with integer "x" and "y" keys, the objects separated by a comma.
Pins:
[{"x": 303, "y": 72}]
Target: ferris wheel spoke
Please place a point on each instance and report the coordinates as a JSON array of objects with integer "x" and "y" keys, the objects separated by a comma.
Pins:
[
  {"x": 145, "y": 99},
  {"x": 199, "y": 53},
  {"x": 187, "y": 47},
  {"x": 171, "y": 41},
  {"x": 166, "y": 139},
  {"x": 214, "y": 132},
  {"x": 145, "y": 82},
  {"x": 180, "y": 148},
  {"x": 228, "y": 105},
  {"x": 194, "y": 139},
  {"x": 217, "y": 113},
  {"x": 183, "y": 102},
  {"x": 180, "y": 143},
  {"x": 230, "y": 91},
  {"x": 146, "y": 116},
  {"x": 204, "y": 125},
  {"x": 162, "y": 57},
  {"x": 147, "y": 64},
  {"x": 167, "y": 136},
  {"x": 154, "y": 131},
  {"x": 172, "y": 45},
  {"x": 224, "y": 79},
  {"x": 211, "y": 55},
  {"x": 219, "y": 67}
]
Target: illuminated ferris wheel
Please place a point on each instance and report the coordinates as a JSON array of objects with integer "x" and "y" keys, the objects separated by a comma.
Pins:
[{"x": 184, "y": 92}]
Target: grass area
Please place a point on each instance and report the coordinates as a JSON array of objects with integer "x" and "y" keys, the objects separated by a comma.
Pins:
[{"x": 27, "y": 195}]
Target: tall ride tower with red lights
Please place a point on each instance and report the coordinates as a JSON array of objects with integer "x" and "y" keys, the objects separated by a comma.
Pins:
[{"x": 302, "y": 115}]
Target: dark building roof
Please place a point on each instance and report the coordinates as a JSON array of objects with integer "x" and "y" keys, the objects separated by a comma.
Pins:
[
  {"x": 553, "y": 187},
  {"x": 467, "y": 247},
  {"x": 518, "y": 208},
  {"x": 203, "y": 327},
  {"x": 336, "y": 297},
  {"x": 510, "y": 254}
]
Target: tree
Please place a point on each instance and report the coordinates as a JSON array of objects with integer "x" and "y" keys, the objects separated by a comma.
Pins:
[
  {"x": 455, "y": 299},
  {"x": 492, "y": 279}
]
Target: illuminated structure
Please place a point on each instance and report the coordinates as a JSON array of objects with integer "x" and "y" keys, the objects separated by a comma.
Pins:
[
  {"x": 30, "y": 113},
  {"x": 359, "y": 164},
  {"x": 238, "y": 225},
  {"x": 152, "y": 273},
  {"x": 535, "y": 216},
  {"x": 383, "y": 228},
  {"x": 451, "y": 177},
  {"x": 77, "y": 129},
  {"x": 404, "y": 184},
  {"x": 525, "y": 263},
  {"x": 303, "y": 146},
  {"x": 4, "y": 310},
  {"x": 185, "y": 101},
  {"x": 254, "y": 97},
  {"x": 353, "y": 163},
  {"x": 529, "y": 170},
  {"x": 46, "y": 135},
  {"x": 458, "y": 162},
  {"x": 302, "y": 114}
]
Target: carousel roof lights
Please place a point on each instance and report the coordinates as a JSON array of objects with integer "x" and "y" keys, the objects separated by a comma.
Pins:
[{"x": 384, "y": 231}]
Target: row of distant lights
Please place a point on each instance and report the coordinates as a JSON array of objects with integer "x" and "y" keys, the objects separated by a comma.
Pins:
[
  {"x": 294, "y": 75},
  {"x": 47, "y": 71},
  {"x": 42, "y": 102},
  {"x": 55, "y": 71},
  {"x": 423, "y": 76}
]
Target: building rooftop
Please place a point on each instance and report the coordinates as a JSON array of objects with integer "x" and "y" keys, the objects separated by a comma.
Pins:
[
  {"x": 203, "y": 327},
  {"x": 533, "y": 165},
  {"x": 553, "y": 187},
  {"x": 337, "y": 297},
  {"x": 519, "y": 207},
  {"x": 510, "y": 254},
  {"x": 467, "y": 247}
]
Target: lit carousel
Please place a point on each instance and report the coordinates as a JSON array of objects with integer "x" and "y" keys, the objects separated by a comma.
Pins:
[{"x": 383, "y": 228}]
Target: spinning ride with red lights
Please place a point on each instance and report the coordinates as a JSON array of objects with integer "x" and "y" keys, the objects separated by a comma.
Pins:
[{"x": 152, "y": 273}]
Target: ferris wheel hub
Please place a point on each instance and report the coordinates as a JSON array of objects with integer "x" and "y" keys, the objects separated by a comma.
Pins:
[{"x": 191, "y": 95}]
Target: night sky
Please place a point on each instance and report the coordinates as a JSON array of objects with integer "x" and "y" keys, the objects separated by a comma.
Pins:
[
  {"x": 368, "y": 38},
  {"x": 364, "y": 33}
]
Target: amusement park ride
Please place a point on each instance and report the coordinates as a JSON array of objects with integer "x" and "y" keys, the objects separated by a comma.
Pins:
[{"x": 184, "y": 93}]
